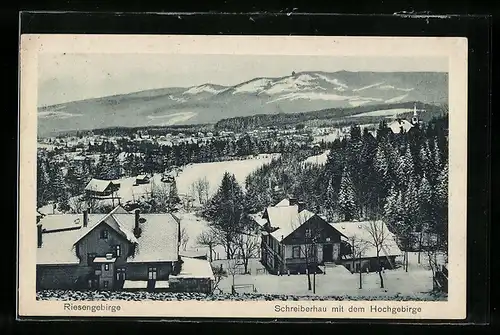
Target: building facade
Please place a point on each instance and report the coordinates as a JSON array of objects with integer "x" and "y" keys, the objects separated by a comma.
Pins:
[
  {"x": 108, "y": 252},
  {"x": 295, "y": 240}
]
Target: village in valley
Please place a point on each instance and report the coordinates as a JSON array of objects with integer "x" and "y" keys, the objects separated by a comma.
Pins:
[
  {"x": 294, "y": 212},
  {"x": 312, "y": 185}
]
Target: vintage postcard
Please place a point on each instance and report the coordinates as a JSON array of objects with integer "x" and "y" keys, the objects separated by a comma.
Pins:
[{"x": 242, "y": 176}]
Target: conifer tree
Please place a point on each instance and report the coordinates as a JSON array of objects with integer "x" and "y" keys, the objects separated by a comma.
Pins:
[
  {"x": 43, "y": 184},
  {"x": 347, "y": 201},
  {"x": 441, "y": 205},
  {"x": 173, "y": 194},
  {"x": 406, "y": 169},
  {"x": 226, "y": 212},
  {"x": 426, "y": 215},
  {"x": 330, "y": 200}
]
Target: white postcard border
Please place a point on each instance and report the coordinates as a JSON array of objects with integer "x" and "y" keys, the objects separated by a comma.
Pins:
[{"x": 455, "y": 49}]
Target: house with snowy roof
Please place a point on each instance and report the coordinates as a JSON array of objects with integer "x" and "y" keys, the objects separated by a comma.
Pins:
[
  {"x": 399, "y": 125},
  {"x": 363, "y": 256},
  {"x": 114, "y": 251},
  {"x": 295, "y": 240},
  {"x": 101, "y": 188}
]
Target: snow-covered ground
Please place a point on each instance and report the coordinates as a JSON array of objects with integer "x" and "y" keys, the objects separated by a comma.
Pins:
[
  {"x": 215, "y": 171},
  {"x": 382, "y": 112},
  {"x": 194, "y": 226},
  {"x": 336, "y": 284},
  {"x": 337, "y": 281},
  {"x": 329, "y": 137},
  {"x": 189, "y": 174},
  {"x": 320, "y": 159}
]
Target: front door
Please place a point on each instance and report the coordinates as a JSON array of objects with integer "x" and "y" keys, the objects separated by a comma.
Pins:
[
  {"x": 327, "y": 252},
  {"x": 93, "y": 282},
  {"x": 119, "y": 278}
]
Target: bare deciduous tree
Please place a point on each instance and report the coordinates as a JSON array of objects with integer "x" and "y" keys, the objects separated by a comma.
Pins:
[
  {"x": 379, "y": 236},
  {"x": 160, "y": 195},
  {"x": 247, "y": 245},
  {"x": 219, "y": 274},
  {"x": 77, "y": 204},
  {"x": 433, "y": 248},
  {"x": 93, "y": 203},
  {"x": 308, "y": 246},
  {"x": 201, "y": 187},
  {"x": 233, "y": 269},
  {"x": 358, "y": 247},
  {"x": 184, "y": 238},
  {"x": 208, "y": 238}
]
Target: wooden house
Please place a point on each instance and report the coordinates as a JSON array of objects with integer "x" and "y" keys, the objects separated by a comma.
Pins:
[
  {"x": 101, "y": 188},
  {"x": 119, "y": 250},
  {"x": 141, "y": 179},
  {"x": 295, "y": 240}
]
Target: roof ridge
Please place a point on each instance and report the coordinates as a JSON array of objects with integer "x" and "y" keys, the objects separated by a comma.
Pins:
[{"x": 110, "y": 214}]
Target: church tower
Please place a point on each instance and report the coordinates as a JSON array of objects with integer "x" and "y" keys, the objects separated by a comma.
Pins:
[{"x": 414, "y": 119}]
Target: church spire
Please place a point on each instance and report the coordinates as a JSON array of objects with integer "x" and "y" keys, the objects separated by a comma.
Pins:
[{"x": 414, "y": 119}]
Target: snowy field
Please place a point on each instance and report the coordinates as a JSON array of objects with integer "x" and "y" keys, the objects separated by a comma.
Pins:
[
  {"x": 320, "y": 159},
  {"x": 384, "y": 112},
  {"x": 338, "y": 281},
  {"x": 215, "y": 171},
  {"x": 336, "y": 284},
  {"x": 193, "y": 172},
  {"x": 194, "y": 226},
  {"x": 329, "y": 137}
]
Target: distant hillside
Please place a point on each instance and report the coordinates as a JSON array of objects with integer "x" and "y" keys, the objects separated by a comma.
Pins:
[
  {"x": 210, "y": 103},
  {"x": 340, "y": 116}
]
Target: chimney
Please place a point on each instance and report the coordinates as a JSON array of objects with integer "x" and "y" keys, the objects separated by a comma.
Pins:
[
  {"x": 292, "y": 201},
  {"x": 137, "y": 229},
  {"x": 85, "y": 218},
  {"x": 39, "y": 235}
]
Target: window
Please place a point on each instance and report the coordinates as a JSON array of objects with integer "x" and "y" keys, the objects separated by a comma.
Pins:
[
  {"x": 296, "y": 252},
  {"x": 117, "y": 250},
  {"x": 90, "y": 258},
  {"x": 120, "y": 274},
  {"x": 106, "y": 267},
  {"x": 105, "y": 284},
  {"x": 308, "y": 232},
  {"x": 152, "y": 273},
  {"x": 104, "y": 234}
]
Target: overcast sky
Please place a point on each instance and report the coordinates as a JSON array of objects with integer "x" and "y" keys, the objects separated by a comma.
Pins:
[{"x": 70, "y": 77}]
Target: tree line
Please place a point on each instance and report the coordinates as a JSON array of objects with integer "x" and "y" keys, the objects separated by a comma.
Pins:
[
  {"x": 402, "y": 178},
  {"x": 337, "y": 116},
  {"x": 58, "y": 180}
]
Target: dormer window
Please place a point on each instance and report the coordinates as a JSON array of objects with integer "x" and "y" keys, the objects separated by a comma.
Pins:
[{"x": 104, "y": 234}]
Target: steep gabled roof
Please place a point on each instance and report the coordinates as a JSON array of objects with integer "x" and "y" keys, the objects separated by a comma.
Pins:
[
  {"x": 396, "y": 126},
  {"x": 283, "y": 203},
  {"x": 98, "y": 185},
  {"x": 286, "y": 219},
  {"x": 158, "y": 241},
  {"x": 112, "y": 221}
]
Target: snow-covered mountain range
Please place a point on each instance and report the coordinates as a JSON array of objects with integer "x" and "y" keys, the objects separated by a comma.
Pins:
[{"x": 209, "y": 103}]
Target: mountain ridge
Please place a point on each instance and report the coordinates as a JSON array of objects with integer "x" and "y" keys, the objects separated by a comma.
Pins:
[{"x": 209, "y": 103}]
